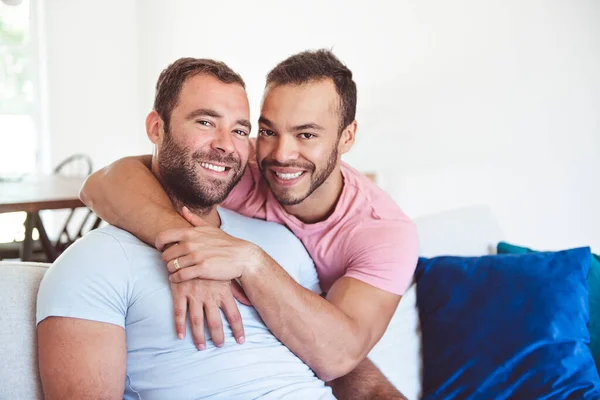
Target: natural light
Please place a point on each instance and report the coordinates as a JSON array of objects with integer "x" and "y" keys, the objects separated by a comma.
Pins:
[{"x": 17, "y": 124}]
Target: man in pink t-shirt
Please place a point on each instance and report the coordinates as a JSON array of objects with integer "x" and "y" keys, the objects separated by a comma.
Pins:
[
  {"x": 364, "y": 247},
  {"x": 365, "y": 237}
]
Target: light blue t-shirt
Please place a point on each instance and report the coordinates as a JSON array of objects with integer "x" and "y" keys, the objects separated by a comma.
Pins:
[{"x": 111, "y": 276}]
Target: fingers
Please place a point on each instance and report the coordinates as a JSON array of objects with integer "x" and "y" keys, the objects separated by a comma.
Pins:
[
  {"x": 185, "y": 261},
  {"x": 201, "y": 301},
  {"x": 197, "y": 323},
  {"x": 215, "y": 324},
  {"x": 191, "y": 217},
  {"x": 216, "y": 271},
  {"x": 177, "y": 250},
  {"x": 232, "y": 313},
  {"x": 186, "y": 274},
  {"x": 179, "y": 310},
  {"x": 173, "y": 236}
]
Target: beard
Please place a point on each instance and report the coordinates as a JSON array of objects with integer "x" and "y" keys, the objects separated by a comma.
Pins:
[
  {"x": 317, "y": 177},
  {"x": 185, "y": 184}
]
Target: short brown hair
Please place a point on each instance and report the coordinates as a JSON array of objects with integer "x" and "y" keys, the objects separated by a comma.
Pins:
[
  {"x": 316, "y": 65},
  {"x": 173, "y": 77}
]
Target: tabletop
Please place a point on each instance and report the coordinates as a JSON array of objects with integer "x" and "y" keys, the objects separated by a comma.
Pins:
[{"x": 34, "y": 193}]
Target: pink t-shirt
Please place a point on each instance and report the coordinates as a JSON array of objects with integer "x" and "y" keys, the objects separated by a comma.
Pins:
[{"x": 367, "y": 237}]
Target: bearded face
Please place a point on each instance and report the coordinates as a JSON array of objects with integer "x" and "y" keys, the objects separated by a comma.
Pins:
[{"x": 198, "y": 179}]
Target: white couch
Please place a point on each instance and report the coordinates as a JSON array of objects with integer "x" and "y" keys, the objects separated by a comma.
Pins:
[{"x": 469, "y": 231}]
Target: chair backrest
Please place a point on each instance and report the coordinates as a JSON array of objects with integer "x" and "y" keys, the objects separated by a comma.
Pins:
[
  {"x": 81, "y": 221},
  {"x": 19, "y": 374},
  {"x": 75, "y": 165}
]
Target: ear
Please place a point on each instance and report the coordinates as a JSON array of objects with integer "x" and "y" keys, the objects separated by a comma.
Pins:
[
  {"x": 154, "y": 128},
  {"x": 347, "y": 138}
]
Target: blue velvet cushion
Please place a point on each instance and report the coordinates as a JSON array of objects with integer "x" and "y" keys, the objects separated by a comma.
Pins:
[
  {"x": 506, "y": 326},
  {"x": 593, "y": 281}
]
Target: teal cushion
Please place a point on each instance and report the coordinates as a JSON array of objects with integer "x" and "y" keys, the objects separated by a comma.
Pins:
[{"x": 593, "y": 281}]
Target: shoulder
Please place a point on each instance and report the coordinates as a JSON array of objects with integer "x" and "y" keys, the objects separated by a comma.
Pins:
[
  {"x": 384, "y": 232},
  {"x": 376, "y": 221},
  {"x": 233, "y": 222},
  {"x": 373, "y": 201},
  {"x": 90, "y": 280},
  {"x": 108, "y": 248},
  {"x": 383, "y": 253},
  {"x": 371, "y": 209},
  {"x": 271, "y": 236},
  {"x": 103, "y": 243},
  {"x": 98, "y": 250},
  {"x": 117, "y": 234}
]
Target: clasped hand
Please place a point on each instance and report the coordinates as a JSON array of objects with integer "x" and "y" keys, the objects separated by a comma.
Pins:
[{"x": 209, "y": 263}]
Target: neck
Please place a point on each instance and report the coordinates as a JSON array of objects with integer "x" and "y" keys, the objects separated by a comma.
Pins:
[
  {"x": 321, "y": 203},
  {"x": 209, "y": 215}
]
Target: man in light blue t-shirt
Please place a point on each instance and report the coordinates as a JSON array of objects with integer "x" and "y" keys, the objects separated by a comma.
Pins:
[{"x": 104, "y": 308}]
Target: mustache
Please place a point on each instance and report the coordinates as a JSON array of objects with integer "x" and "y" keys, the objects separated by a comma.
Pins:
[
  {"x": 300, "y": 165},
  {"x": 216, "y": 157}
]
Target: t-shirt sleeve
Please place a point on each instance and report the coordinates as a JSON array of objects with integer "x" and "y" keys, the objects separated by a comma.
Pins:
[
  {"x": 383, "y": 253},
  {"x": 90, "y": 280}
]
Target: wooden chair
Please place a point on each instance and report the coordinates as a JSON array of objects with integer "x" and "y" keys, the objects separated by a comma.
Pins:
[{"x": 75, "y": 165}]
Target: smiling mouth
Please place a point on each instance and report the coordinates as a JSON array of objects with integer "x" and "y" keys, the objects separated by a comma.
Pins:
[
  {"x": 213, "y": 167},
  {"x": 288, "y": 176}
]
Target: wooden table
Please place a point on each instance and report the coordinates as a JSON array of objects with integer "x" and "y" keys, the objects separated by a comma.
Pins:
[{"x": 33, "y": 194}]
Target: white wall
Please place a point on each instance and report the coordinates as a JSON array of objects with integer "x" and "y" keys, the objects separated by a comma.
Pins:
[
  {"x": 92, "y": 76},
  {"x": 460, "y": 103}
]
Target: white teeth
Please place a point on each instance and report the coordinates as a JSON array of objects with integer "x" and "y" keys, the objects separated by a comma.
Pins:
[
  {"x": 288, "y": 176},
  {"x": 213, "y": 167}
]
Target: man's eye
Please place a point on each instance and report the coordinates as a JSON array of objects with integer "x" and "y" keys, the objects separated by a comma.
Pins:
[
  {"x": 203, "y": 122},
  {"x": 306, "y": 135},
  {"x": 265, "y": 132},
  {"x": 241, "y": 132}
]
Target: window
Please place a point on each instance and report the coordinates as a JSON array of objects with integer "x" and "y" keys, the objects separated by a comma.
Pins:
[
  {"x": 18, "y": 136},
  {"x": 18, "y": 133}
]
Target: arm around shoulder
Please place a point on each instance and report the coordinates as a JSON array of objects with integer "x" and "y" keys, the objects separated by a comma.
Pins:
[
  {"x": 127, "y": 194},
  {"x": 98, "y": 189}
]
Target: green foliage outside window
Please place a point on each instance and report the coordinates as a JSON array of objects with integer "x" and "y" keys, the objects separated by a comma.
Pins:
[{"x": 16, "y": 88}]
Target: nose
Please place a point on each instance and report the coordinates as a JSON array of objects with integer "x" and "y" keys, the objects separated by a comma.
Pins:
[
  {"x": 223, "y": 142},
  {"x": 286, "y": 149}
]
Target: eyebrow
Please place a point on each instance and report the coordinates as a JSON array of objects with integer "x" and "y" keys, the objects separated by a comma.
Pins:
[
  {"x": 245, "y": 123},
  {"x": 208, "y": 112},
  {"x": 204, "y": 112},
  {"x": 309, "y": 126},
  {"x": 302, "y": 127},
  {"x": 264, "y": 121}
]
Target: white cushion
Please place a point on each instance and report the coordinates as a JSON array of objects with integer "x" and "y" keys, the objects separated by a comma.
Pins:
[
  {"x": 398, "y": 353},
  {"x": 470, "y": 231},
  {"x": 19, "y": 284}
]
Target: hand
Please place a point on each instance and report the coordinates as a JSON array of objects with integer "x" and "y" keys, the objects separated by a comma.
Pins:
[
  {"x": 205, "y": 298},
  {"x": 206, "y": 252}
]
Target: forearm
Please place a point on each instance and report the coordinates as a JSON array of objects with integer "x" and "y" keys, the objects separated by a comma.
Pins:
[
  {"x": 128, "y": 195},
  {"x": 364, "y": 382},
  {"x": 318, "y": 332}
]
